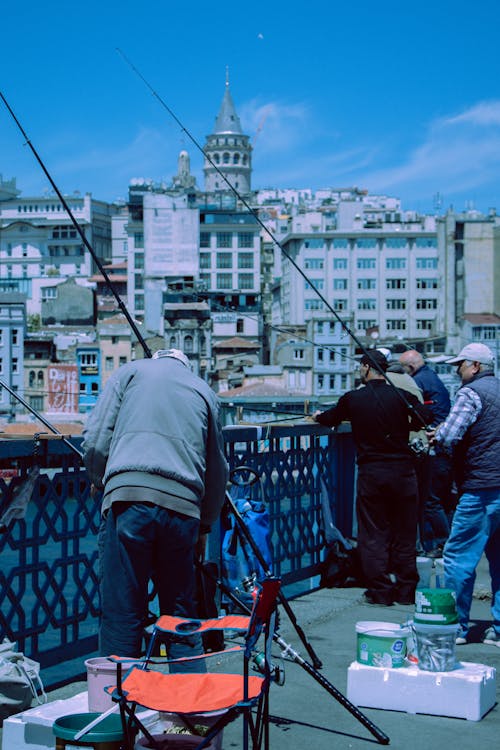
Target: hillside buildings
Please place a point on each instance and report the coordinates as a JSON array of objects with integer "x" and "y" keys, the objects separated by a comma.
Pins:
[{"x": 253, "y": 308}]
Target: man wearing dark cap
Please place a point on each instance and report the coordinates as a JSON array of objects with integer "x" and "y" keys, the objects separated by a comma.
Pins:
[{"x": 381, "y": 416}]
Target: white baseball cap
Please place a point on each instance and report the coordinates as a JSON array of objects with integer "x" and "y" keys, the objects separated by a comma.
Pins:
[
  {"x": 473, "y": 353},
  {"x": 175, "y": 353}
]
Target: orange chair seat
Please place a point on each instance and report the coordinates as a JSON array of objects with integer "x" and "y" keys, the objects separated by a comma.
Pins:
[{"x": 188, "y": 693}]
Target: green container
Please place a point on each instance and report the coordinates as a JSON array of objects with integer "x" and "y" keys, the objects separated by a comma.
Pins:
[
  {"x": 107, "y": 735},
  {"x": 382, "y": 644},
  {"x": 436, "y": 607}
]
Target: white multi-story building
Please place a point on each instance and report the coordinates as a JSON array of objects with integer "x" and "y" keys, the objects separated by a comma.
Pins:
[{"x": 39, "y": 242}]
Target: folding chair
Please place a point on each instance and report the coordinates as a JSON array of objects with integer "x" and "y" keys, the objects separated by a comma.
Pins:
[{"x": 187, "y": 693}]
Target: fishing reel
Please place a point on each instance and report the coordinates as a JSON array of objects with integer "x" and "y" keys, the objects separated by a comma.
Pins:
[
  {"x": 418, "y": 446},
  {"x": 277, "y": 670}
]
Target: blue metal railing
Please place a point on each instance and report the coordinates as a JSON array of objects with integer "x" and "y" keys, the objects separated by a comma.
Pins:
[{"x": 49, "y": 599}]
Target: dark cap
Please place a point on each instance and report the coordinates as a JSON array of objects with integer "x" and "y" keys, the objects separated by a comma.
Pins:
[{"x": 375, "y": 359}]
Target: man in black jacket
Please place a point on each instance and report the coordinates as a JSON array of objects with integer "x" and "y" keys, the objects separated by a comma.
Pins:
[{"x": 386, "y": 504}]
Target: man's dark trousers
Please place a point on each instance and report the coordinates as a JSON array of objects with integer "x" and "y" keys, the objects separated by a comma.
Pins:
[{"x": 387, "y": 500}]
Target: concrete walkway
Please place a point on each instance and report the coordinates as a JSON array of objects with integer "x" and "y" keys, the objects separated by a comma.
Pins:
[{"x": 305, "y": 715}]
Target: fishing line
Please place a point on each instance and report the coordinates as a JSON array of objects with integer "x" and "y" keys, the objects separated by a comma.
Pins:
[
  {"x": 266, "y": 229},
  {"x": 80, "y": 231}
]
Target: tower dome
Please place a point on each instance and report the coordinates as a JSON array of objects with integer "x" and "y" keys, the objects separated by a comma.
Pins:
[{"x": 228, "y": 151}]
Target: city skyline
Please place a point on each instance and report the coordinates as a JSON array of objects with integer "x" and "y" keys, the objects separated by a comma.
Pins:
[{"x": 393, "y": 101}]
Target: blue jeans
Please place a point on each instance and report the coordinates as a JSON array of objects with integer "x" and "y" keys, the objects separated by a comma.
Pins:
[
  {"x": 139, "y": 542},
  {"x": 475, "y": 529}
]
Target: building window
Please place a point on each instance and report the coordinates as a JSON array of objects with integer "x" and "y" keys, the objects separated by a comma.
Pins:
[
  {"x": 36, "y": 402},
  {"x": 122, "y": 361},
  {"x": 426, "y": 242},
  {"x": 366, "y": 263},
  {"x": 340, "y": 243},
  {"x": 364, "y": 324},
  {"x": 339, "y": 264},
  {"x": 314, "y": 242},
  {"x": 340, "y": 283},
  {"x": 139, "y": 239},
  {"x": 424, "y": 325},
  {"x": 393, "y": 263},
  {"x": 245, "y": 239},
  {"x": 367, "y": 304},
  {"x": 139, "y": 301},
  {"x": 139, "y": 261},
  {"x": 321, "y": 382},
  {"x": 427, "y": 283},
  {"x": 318, "y": 284},
  {"x": 224, "y": 239},
  {"x": 224, "y": 281},
  {"x": 319, "y": 355},
  {"x": 313, "y": 304},
  {"x": 332, "y": 382},
  {"x": 313, "y": 264},
  {"x": 139, "y": 281},
  {"x": 15, "y": 334},
  {"x": 245, "y": 260},
  {"x": 224, "y": 260},
  {"x": 109, "y": 363},
  {"x": 395, "y": 304},
  {"x": 15, "y": 365},
  {"x": 427, "y": 263},
  {"x": 205, "y": 260},
  {"x": 245, "y": 281},
  {"x": 396, "y": 325},
  {"x": 298, "y": 354},
  {"x": 426, "y": 304},
  {"x": 31, "y": 378},
  {"x": 339, "y": 304},
  {"x": 366, "y": 243},
  {"x": 188, "y": 344},
  {"x": 367, "y": 283},
  {"x": 204, "y": 239},
  {"x": 395, "y": 284},
  {"x": 396, "y": 243},
  {"x": 240, "y": 325}
]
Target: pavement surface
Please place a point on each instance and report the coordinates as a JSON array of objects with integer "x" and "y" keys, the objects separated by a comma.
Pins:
[{"x": 305, "y": 715}]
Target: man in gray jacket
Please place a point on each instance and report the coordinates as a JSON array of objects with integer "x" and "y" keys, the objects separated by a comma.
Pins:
[{"x": 153, "y": 443}]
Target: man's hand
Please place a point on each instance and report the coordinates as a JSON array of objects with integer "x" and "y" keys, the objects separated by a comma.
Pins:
[{"x": 315, "y": 415}]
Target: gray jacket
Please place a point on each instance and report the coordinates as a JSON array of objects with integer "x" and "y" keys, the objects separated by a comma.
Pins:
[{"x": 156, "y": 417}]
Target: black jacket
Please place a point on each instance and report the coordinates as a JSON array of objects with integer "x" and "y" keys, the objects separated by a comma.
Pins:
[{"x": 380, "y": 420}]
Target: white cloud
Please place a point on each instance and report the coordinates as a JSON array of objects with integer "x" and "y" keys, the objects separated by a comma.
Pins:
[{"x": 459, "y": 154}]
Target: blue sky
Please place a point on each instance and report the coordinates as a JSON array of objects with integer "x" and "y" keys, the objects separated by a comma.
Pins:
[{"x": 396, "y": 97}]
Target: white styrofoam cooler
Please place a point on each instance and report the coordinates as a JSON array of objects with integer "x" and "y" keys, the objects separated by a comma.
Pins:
[
  {"x": 32, "y": 729},
  {"x": 466, "y": 692}
]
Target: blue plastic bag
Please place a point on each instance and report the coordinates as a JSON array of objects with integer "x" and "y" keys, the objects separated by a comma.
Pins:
[{"x": 239, "y": 562}]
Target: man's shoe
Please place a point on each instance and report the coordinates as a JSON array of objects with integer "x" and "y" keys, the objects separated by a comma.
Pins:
[
  {"x": 491, "y": 637},
  {"x": 368, "y": 599},
  {"x": 460, "y": 640}
]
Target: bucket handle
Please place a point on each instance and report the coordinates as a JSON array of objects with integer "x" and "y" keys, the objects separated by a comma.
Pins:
[{"x": 96, "y": 721}]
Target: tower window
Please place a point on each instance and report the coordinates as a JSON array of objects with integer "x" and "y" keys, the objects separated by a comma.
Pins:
[
  {"x": 236, "y": 159},
  {"x": 225, "y": 157},
  {"x": 217, "y": 158}
]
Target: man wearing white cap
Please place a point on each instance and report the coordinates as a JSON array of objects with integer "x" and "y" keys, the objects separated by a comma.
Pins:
[
  {"x": 472, "y": 430},
  {"x": 153, "y": 443}
]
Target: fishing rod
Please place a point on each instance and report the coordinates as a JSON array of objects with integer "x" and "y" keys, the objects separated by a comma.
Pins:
[
  {"x": 41, "y": 418},
  {"x": 80, "y": 231},
  {"x": 254, "y": 213}
]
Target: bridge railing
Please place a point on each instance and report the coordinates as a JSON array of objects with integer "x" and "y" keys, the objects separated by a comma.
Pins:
[{"x": 49, "y": 599}]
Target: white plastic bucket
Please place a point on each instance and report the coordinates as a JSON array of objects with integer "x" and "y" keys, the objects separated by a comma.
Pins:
[
  {"x": 424, "y": 569},
  {"x": 435, "y": 646},
  {"x": 101, "y": 672},
  {"x": 381, "y": 644}
]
